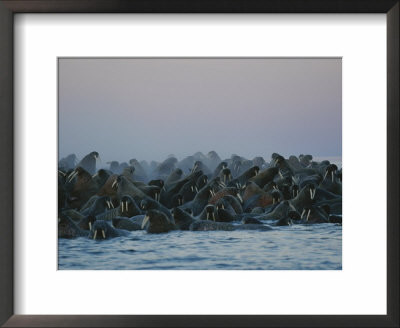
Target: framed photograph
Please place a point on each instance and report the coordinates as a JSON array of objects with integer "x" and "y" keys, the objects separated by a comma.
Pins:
[{"x": 193, "y": 155}]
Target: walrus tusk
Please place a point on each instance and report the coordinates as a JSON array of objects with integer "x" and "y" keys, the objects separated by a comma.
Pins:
[
  {"x": 145, "y": 220},
  {"x": 240, "y": 197},
  {"x": 308, "y": 214},
  {"x": 122, "y": 207},
  {"x": 126, "y": 206},
  {"x": 213, "y": 215},
  {"x": 112, "y": 205},
  {"x": 311, "y": 195},
  {"x": 113, "y": 184},
  {"x": 197, "y": 190},
  {"x": 302, "y": 213},
  {"x": 95, "y": 175},
  {"x": 95, "y": 235},
  {"x": 332, "y": 175},
  {"x": 103, "y": 233},
  {"x": 191, "y": 187},
  {"x": 208, "y": 215},
  {"x": 90, "y": 225},
  {"x": 326, "y": 173},
  {"x": 72, "y": 176},
  {"x": 280, "y": 174}
]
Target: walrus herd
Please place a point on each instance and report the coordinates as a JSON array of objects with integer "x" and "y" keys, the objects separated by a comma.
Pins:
[{"x": 199, "y": 193}]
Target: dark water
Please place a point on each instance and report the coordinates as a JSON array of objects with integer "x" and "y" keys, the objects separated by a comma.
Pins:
[{"x": 297, "y": 247}]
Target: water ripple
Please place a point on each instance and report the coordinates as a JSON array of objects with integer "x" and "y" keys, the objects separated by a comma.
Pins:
[{"x": 298, "y": 247}]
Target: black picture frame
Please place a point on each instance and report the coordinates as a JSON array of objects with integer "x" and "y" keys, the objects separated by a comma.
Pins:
[{"x": 10, "y": 7}]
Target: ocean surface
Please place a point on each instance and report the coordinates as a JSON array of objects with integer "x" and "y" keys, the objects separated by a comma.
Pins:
[{"x": 296, "y": 247}]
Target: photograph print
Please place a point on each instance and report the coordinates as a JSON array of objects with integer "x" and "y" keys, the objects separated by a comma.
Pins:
[{"x": 199, "y": 163}]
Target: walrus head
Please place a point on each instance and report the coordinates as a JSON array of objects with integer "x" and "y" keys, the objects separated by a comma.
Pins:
[
  {"x": 156, "y": 222},
  {"x": 210, "y": 212},
  {"x": 226, "y": 175},
  {"x": 276, "y": 196},
  {"x": 177, "y": 200},
  {"x": 295, "y": 190},
  {"x": 100, "y": 230},
  {"x": 87, "y": 222},
  {"x": 127, "y": 205},
  {"x": 330, "y": 171}
]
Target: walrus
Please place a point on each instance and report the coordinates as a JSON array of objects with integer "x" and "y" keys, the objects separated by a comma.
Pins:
[
  {"x": 265, "y": 176},
  {"x": 312, "y": 214},
  {"x": 100, "y": 205},
  {"x": 174, "y": 176},
  {"x": 68, "y": 228},
  {"x": 208, "y": 213},
  {"x": 125, "y": 224},
  {"x": 83, "y": 187},
  {"x": 200, "y": 200},
  {"x": 101, "y": 230},
  {"x": 128, "y": 207},
  {"x": 305, "y": 198},
  {"x": 87, "y": 222},
  {"x": 226, "y": 191},
  {"x": 150, "y": 204},
  {"x": 200, "y": 166},
  {"x": 248, "y": 174},
  {"x": 188, "y": 191},
  {"x": 67, "y": 163},
  {"x": 182, "y": 219},
  {"x": 225, "y": 175},
  {"x": 109, "y": 188},
  {"x": 89, "y": 162},
  {"x": 305, "y": 160},
  {"x": 234, "y": 202},
  {"x": 201, "y": 181},
  {"x": 177, "y": 200},
  {"x": 74, "y": 215},
  {"x": 114, "y": 167},
  {"x": 166, "y": 167},
  {"x": 157, "y": 222},
  {"x": 251, "y": 220},
  {"x": 100, "y": 177},
  {"x": 139, "y": 173},
  {"x": 157, "y": 182},
  {"x": 124, "y": 187},
  {"x": 260, "y": 199},
  {"x": 212, "y": 159},
  {"x": 220, "y": 166},
  {"x": 281, "y": 211},
  {"x": 223, "y": 215}
]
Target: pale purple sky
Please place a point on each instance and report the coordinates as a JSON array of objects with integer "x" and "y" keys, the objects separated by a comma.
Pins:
[{"x": 151, "y": 108}]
